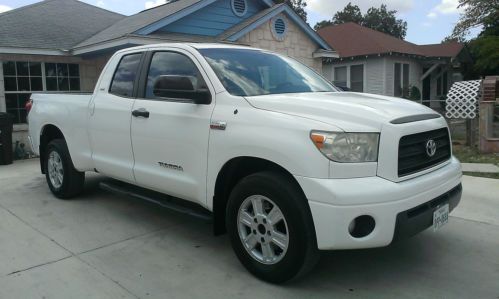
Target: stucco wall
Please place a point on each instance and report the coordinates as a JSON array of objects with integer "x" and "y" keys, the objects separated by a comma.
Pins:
[{"x": 296, "y": 44}]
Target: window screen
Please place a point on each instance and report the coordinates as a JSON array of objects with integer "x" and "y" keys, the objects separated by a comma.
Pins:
[
  {"x": 397, "y": 86},
  {"x": 405, "y": 81},
  {"x": 340, "y": 76},
  {"x": 124, "y": 77},
  {"x": 357, "y": 78},
  {"x": 401, "y": 80}
]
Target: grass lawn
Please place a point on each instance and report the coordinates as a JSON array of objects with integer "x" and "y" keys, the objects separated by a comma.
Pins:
[
  {"x": 470, "y": 155},
  {"x": 483, "y": 175}
]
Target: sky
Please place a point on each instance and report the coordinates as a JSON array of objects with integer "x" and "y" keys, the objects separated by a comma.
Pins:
[{"x": 429, "y": 21}]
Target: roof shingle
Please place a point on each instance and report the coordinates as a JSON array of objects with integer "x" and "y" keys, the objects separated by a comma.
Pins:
[
  {"x": 53, "y": 24},
  {"x": 351, "y": 39}
]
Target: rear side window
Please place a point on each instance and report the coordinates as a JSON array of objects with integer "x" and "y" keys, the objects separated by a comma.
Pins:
[{"x": 125, "y": 75}]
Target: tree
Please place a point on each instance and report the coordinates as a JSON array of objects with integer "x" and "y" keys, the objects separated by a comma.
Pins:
[
  {"x": 379, "y": 19},
  {"x": 384, "y": 20},
  {"x": 322, "y": 24},
  {"x": 351, "y": 13},
  {"x": 476, "y": 13},
  {"x": 484, "y": 49},
  {"x": 297, "y": 5}
]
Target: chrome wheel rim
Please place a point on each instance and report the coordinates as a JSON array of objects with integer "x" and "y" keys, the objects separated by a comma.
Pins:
[
  {"x": 55, "y": 169},
  {"x": 263, "y": 229}
]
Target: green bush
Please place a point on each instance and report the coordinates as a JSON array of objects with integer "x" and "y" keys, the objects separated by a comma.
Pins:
[{"x": 415, "y": 94}]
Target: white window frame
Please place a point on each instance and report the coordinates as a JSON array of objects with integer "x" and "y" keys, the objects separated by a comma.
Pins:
[
  {"x": 44, "y": 83},
  {"x": 348, "y": 66},
  {"x": 402, "y": 63}
]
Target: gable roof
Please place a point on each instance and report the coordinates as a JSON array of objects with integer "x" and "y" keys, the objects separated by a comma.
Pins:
[
  {"x": 133, "y": 23},
  {"x": 52, "y": 24},
  {"x": 351, "y": 39},
  {"x": 242, "y": 28}
]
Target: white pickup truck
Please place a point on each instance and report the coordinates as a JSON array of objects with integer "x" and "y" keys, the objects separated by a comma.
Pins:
[{"x": 282, "y": 160}]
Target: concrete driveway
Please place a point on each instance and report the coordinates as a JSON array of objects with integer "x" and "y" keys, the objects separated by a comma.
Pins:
[{"x": 104, "y": 246}]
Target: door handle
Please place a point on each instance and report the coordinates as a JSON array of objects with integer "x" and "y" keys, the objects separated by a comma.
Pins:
[{"x": 140, "y": 113}]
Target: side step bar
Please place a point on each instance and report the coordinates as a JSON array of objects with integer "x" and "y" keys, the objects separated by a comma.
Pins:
[{"x": 162, "y": 200}]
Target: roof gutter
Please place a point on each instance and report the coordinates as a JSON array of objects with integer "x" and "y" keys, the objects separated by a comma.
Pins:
[{"x": 34, "y": 51}]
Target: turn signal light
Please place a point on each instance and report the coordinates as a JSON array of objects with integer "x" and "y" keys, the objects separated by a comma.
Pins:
[{"x": 318, "y": 140}]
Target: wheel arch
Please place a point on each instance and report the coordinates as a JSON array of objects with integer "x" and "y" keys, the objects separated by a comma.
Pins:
[
  {"x": 48, "y": 133},
  {"x": 230, "y": 174}
]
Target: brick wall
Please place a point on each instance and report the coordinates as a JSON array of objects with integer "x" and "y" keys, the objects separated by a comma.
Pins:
[
  {"x": 89, "y": 73},
  {"x": 490, "y": 88},
  {"x": 296, "y": 44},
  {"x": 489, "y": 138}
]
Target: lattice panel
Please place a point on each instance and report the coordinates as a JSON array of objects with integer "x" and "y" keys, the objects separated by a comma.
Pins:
[{"x": 462, "y": 99}]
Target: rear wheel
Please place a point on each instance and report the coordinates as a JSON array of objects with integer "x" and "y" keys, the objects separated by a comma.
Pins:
[
  {"x": 271, "y": 228},
  {"x": 63, "y": 179}
]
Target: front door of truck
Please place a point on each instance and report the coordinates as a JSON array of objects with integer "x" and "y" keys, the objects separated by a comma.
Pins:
[
  {"x": 110, "y": 118},
  {"x": 170, "y": 134}
]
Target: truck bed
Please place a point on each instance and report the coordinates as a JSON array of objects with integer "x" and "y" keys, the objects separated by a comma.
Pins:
[{"x": 69, "y": 113}]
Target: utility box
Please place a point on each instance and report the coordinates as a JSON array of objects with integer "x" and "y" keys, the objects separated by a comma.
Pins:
[{"x": 6, "y": 126}]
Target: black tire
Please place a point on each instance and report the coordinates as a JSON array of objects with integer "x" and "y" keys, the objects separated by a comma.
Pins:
[
  {"x": 302, "y": 253},
  {"x": 73, "y": 181}
]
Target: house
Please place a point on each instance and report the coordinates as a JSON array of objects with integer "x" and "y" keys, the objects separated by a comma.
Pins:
[
  {"x": 62, "y": 45},
  {"x": 374, "y": 62}
]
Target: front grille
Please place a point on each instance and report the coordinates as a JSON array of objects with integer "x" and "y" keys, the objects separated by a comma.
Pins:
[{"x": 413, "y": 155}]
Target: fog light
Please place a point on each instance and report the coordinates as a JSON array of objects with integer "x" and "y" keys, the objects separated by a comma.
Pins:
[{"x": 361, "y": 226}]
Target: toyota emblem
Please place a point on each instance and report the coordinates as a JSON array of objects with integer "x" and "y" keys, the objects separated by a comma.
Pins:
[{"x": 431, "y": 148}]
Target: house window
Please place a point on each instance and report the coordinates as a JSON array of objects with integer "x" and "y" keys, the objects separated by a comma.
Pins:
[
  {"x": 340, "y": 76},
  {"x": 62, "y": 77},
  {"x": 401, "y": 80},
  {"x": 357, "y": 78},
  {"x": 21, "y": 78},
  {"x": 442, "y": 84},
  {"x": 15, "y": 103}
]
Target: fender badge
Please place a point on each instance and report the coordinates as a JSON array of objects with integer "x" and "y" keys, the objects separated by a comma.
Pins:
[{"x": 218, "y": 125}]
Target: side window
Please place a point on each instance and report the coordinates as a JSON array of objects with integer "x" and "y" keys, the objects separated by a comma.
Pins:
[
  {"x": 172, "y": 64},
  {"x": 124, "y": 77}
]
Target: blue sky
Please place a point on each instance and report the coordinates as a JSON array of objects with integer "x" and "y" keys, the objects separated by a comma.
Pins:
[{"x": 429, "y": 21}]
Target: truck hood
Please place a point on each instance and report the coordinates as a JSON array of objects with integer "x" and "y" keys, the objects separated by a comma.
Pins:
[{"x": 354, "y": 112}]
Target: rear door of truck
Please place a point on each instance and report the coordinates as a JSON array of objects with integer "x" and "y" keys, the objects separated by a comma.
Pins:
[{"x": 110, "y": 117}]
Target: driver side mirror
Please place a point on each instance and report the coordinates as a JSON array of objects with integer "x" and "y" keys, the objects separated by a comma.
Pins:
[{"x": 182, "y": 88}]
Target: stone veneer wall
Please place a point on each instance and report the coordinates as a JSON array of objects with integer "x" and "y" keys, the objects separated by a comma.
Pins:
[
  {"x": 296, "y": 44},
  {"x": 89, "y": 73}
]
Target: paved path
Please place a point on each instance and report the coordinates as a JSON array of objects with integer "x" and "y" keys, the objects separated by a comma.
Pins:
[
  {"x": 480, "y": 167},
  {"x": 104, "y": 246}
]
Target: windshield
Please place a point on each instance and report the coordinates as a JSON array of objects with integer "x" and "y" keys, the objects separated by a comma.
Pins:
[{"x": 246, "y": 72}]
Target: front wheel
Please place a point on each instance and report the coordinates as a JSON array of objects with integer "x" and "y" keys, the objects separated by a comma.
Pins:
[
  {"x": 63, "y": 179},
  {"x": 270, "y": 227}
]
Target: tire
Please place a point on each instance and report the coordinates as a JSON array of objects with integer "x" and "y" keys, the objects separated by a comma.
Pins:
[
  {"x": 272, "y": 190},
  {"x": 63, "y": 179}
]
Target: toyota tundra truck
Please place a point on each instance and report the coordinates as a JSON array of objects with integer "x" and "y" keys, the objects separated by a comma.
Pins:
[{"x": 277, "y": 156}]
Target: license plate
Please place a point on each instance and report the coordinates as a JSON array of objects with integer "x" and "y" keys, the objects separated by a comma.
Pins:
[{"x": 440, "y": 217}]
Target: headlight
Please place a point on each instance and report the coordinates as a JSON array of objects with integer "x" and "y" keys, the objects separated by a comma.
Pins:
[{"x": 347, "y": 147}]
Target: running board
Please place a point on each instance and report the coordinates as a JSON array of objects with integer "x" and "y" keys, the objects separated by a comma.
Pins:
[{"x": 162, "y": 200}]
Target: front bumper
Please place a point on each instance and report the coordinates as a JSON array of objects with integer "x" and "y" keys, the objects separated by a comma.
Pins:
[{"x": 334, "y": 203}]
